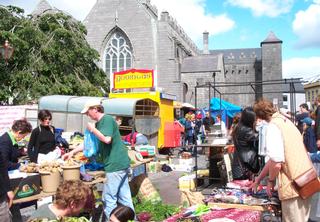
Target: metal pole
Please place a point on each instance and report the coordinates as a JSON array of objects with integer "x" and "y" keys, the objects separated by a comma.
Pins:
[
  {"x": 209, "y": 85},
  {"x": 195, "y": 96},
  {"x": 214, "y": 84}
]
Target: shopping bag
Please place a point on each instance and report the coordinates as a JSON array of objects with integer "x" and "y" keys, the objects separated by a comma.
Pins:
[{"x": 90, "y": 144}]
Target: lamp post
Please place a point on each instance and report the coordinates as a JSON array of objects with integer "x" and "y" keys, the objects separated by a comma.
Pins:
[
  {"x": 6, "y": 51},
  {"x": 214, "y": 83}
]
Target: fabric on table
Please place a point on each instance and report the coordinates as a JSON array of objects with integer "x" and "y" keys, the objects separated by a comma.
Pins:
[{"x": 238, "y": 215}]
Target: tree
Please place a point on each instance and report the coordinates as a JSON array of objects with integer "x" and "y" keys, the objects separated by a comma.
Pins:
[{"x": 51, "y": 56}]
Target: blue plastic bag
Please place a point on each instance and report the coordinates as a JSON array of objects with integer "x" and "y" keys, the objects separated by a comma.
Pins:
[{"x": 90, "y": 144}]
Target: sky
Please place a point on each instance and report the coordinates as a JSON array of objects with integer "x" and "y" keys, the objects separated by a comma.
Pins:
[{"x": 234, "y": 24}]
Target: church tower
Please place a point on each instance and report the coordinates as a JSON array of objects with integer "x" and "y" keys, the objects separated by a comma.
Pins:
[{"x": 271, "y": 49}]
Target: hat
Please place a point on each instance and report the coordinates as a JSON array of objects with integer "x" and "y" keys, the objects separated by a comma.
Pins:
[
  {"x": 90, "y": 104},
  {"x": 307, "y": 121}
]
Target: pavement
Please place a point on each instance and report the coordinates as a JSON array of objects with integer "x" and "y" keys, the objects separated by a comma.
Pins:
[{"x": 167, "y": 183}]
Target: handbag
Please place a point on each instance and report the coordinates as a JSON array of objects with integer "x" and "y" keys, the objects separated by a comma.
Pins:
[
  {"x": 307, "y": 183},
  {"x": 250, "y": 159}
]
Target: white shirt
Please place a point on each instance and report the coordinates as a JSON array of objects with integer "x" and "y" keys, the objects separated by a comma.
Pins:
[{"x": 274, "y": 143}]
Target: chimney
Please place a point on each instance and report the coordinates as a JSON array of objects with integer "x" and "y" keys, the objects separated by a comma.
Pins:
[
  {"x": 206, "y": 42},
  {"x": 165, "y": 16}
]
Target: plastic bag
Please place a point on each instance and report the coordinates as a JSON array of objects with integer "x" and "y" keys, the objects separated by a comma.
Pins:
[{"x": 90, "y": 144}]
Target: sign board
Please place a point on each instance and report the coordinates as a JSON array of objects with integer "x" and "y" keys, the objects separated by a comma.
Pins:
[{"x": 133, "y": 78}]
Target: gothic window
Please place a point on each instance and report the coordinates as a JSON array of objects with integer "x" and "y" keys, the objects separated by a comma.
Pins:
[{"x": 118, "y": 54}]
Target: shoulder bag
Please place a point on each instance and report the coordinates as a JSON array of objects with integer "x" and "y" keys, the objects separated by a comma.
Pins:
[{"x": 307, "y": 183}]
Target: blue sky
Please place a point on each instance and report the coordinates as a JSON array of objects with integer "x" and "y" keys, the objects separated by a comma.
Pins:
[{"x": 235, "y": 24}]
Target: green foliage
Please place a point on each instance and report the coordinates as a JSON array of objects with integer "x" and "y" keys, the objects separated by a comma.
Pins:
[
  {"x": 51, "y": 56},
  {"x": 158, "y": 211}
]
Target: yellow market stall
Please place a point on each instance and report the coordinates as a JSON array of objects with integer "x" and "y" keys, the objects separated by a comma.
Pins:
[
  {"x": 165, "y": 109},
  {"x": 129, "y": 84}
]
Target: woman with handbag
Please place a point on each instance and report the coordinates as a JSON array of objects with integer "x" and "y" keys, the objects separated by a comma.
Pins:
[
  {"x": 288, "y": 160},
  {"x": 245, "y": 160}
]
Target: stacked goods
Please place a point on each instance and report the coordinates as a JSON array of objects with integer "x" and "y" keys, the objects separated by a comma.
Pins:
[{"x": 146, "y": 150}]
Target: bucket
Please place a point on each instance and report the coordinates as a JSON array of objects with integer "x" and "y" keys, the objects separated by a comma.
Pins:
[
  {"x": 50, "y": 181},
  {"x": 71, "y": 172}
]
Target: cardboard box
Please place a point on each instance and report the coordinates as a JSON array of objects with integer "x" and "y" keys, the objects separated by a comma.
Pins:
[
  {"x": 153, "y": 167},
  {"x": 187, "y": 182},
  {"x": 188, "y": 162},
  {"x": 26, "y": 186}
]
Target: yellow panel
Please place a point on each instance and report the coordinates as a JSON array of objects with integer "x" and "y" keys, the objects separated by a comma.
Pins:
[{"x": 166, "y": 108}]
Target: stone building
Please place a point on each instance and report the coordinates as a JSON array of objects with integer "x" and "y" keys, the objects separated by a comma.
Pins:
[{"x": 132, "y": 34}]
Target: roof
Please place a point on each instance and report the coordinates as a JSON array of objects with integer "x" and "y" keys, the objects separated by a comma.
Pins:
[
  {"x": 204, "y": 63},
  {"x": 238, "y": 55},
  {"x": 298, "y": 88},
  {"x": 62, "y": 103},
  {"x": 42, "y": 7},
  {"x": 312, "y": 79},
  {"x": 120, "y": 106},
  {"x": 271, "y": 38}
]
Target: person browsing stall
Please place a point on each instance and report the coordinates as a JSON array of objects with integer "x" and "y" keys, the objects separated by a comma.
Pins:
[
  {"x": 71, "y": 198},
  {"x": 9, "y": 143},
  {"x": 288, "y": 159},
  {"x": 245, "y": 160},
  {"x": 113, "y": 154},
  {"x": 42, "y": 139}
]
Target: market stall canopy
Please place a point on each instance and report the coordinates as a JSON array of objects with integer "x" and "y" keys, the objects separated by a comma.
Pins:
[
  {"x": 224, "y": 108},
  {"x": 120, "y": 106},
  {"x": 187, "y": 105},
  {"x": 145, "y": 112},
  {"x": 179, "y": 105},
  {"x": 62, "y": 103}
]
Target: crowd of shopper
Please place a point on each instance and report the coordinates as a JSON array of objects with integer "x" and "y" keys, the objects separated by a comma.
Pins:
[{"x": 269, "y": 148}]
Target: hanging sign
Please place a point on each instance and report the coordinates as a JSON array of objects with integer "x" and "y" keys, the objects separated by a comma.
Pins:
[{"x": 133, "y": 78}]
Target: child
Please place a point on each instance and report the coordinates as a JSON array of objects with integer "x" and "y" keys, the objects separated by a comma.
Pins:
[
  {"x": 121, "y": 214},
  {"x": 309, "y": 137}
]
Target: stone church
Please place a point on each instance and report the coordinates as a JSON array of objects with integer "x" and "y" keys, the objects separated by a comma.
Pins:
[{"x": 133, "y": 34}]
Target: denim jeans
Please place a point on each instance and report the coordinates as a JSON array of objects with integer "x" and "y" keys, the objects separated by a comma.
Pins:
[
  {"x": 5, "y": 215},
  {"x": 116, "y": 190}
]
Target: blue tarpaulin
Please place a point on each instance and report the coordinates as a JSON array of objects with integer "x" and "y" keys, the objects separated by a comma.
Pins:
[{"x": 227, "y": 110}]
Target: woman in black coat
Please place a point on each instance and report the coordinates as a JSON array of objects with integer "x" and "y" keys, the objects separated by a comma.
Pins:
[
  {"x": 42, "y": 139},
  {"x": 245, "y": 160}
]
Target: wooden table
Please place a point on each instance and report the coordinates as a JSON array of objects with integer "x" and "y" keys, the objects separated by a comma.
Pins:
[
  {"x": 213, "y": 149},
  {"x": 237, "y": 206},
  {"x": 49, "y": 194}
]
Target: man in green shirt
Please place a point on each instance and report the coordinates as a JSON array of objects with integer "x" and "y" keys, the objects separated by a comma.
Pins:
[{"x": 114, "y": 156}]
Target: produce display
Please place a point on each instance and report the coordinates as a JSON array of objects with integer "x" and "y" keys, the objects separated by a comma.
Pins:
[
  {"x": 70, "y": 163},
  {"x": 29, "y": 168},
  {"x": 50, "y": 167}
]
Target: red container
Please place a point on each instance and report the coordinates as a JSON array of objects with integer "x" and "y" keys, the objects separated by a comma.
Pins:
[{"x": 172, "y": 134}]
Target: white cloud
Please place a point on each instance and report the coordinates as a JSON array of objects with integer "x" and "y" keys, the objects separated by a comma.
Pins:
[
  {"x": 191, "y": 16},
  {"x": 271, "y": 8},
  {"x": 301, "y": 67},
  {"x": 307, "y": 26}
]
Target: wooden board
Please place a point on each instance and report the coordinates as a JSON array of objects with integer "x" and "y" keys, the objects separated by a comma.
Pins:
[
  {"x": 238, "y": 206},
  {"x": 45, "y": 194}
]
